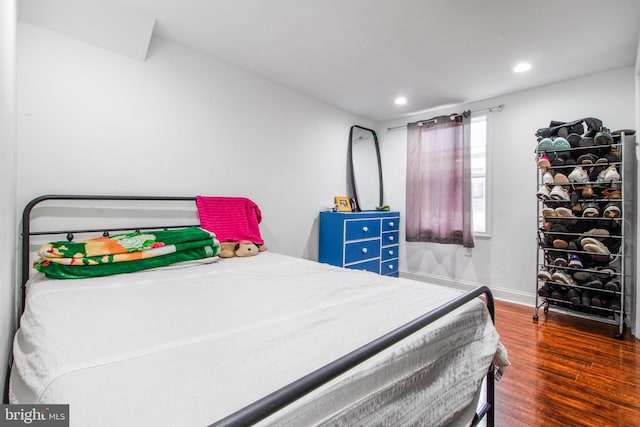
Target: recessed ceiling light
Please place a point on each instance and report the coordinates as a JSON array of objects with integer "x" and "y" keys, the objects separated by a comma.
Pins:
[
  {"x": 522, "y": 67},
  {"x": 401, "y": 100}
]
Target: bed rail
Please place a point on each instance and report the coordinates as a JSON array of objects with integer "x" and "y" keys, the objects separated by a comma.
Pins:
[
  {"x": 289, "y": 393},
  {"x": 27, "y": 233}
]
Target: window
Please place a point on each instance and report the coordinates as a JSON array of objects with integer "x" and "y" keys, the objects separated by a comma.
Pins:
[{"x": 479, "y": 200}]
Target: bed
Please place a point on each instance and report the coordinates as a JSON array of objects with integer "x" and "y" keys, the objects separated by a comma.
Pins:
[{"x": 266, "y": 340}]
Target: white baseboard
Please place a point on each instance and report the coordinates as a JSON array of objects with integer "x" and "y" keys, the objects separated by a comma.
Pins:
[{"x": 502, "y": 294}]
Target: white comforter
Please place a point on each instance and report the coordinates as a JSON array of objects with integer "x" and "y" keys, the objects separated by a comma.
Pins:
[{"x": 188, "y": 345}]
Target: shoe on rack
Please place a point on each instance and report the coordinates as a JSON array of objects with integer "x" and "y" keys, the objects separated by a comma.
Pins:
[
  {"x": 587, "y": 192},
  {"x": 544, "y": 162},
  {"x": 562, "y": 211},
  {"x": 585, "y": 299},
  {"x": 606, "y": 273},
  {"x": 562, "y": 277},
  {"x": 578, "y": 176},
  {"x": 547, "y": 178},
  {"x": 573, "y": 296},
  {"x": 577, "y": 209},
  {"x": 574, "y": 245},
  {"x": 559, "y": 193},
  {"x": 598, "y": 233},
  {"x": 591, "y": 210},
  {"x": 587, "y": 159},
  {"x": 543, "y": 193},
  {"x": 591, "y": 244},
  {"x": 575, "y": 262},
  {"x": 560, "y": 179},
  {"x": 613, "y": 285},
  {"x": 544, "y": 291},
  {"x": 560, "y": 261},
  {"x": 611, "y": 193},
  {"x": 565, "y": 215},
  {"x": 598, "y": 251},
  {"x": 596, "y": 301},
  {"x": 558, "y": 237},
  {"x": 582, "y": 275},
  {"x": 612, "y": 210},
  {"x": 614, "y": 303},
  {"x": 544, "y": 275},
  {"x": 615, "y": 156},
  {"x": 611, "y": 176},
  {"x": 594, "y": 283},
  {"x": 557, "y": 294}
]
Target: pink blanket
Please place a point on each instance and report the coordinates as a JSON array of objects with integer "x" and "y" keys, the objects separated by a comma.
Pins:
[{"x": 232, "y": 219}]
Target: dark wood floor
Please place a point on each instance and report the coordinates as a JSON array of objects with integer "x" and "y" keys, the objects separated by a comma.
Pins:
[{"x": 565, "y": 371}]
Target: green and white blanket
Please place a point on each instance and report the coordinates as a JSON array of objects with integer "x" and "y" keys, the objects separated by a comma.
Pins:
[{"x": 125, "y": 253}]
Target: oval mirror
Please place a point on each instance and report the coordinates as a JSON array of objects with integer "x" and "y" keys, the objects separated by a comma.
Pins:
[{"x": 366, "y": 168}]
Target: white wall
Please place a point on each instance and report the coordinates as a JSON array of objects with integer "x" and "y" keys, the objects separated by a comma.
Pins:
[
  {"x": 8, "y": 240},
  {"x": 506, "y": 260},
  {"x": 97, "y": 122},
  {"x": 93, "y": 121}
]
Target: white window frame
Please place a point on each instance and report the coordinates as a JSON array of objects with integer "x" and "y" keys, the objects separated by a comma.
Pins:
[{"x": 487, "y": 213}]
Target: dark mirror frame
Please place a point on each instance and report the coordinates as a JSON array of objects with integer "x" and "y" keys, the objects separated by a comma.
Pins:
[{"x": 354, "y": 190}]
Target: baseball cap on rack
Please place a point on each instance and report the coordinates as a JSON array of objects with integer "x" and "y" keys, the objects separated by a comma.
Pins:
[
  {"x": 574, "y": 139},
  {"x": 559, "y": 145},
  {"x": 545, "y": 146},
  {"x": 603, "y": 138},
  {"x": 587, "y": 145}
]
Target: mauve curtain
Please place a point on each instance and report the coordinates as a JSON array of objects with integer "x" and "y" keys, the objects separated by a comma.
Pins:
[{"x": 439, "y": 181}]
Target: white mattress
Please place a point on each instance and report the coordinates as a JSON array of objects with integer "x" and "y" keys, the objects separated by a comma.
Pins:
[{"x": 188, "y": 345}]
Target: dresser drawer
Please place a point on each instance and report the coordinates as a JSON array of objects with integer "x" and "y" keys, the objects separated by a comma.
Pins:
[
  {"x": 373, "y": 266},
  {"x": 390, "y": 224},
  {"x": 389, "y": 268},
  {"x": 359, "y": 251},
  {"x": 362, "y": 229},
  {"x": 360, "y": 240},
  {"x": 390, "y": 238},
  {"x": 389, "y": 252}
]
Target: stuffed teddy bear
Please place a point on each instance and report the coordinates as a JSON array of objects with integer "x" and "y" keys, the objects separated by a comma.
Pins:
[{"x": 243, "y": 248}]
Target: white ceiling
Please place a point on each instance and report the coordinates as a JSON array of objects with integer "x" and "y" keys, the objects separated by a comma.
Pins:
[{"x": 358, "y": 55}]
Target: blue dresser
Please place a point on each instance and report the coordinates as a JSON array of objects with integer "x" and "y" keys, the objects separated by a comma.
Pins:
[{"x": 360, "y": 240}]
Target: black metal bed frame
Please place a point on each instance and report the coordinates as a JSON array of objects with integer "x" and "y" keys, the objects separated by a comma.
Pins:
[{"x": 291, "y": 392}]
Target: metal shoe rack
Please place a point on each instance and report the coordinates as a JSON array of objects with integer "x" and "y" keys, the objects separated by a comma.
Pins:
[{"x": 559, "y": 293}]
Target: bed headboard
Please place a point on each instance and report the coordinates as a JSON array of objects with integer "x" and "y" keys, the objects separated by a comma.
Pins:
[{"x": 79, "y": 203}]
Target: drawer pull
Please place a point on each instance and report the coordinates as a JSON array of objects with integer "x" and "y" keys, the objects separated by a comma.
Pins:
[
  {"x": 365, "y": 229},
  {"x": 390, "y": 252},
  {"x": 390, "y": 266},
  {"x": 391, "y": 224},
  {"x": 391, "y": 238},
  {"x": 364, "y": 250}
]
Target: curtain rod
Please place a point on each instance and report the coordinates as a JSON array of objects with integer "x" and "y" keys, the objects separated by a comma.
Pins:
[{"x": 490, "y": 110}]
